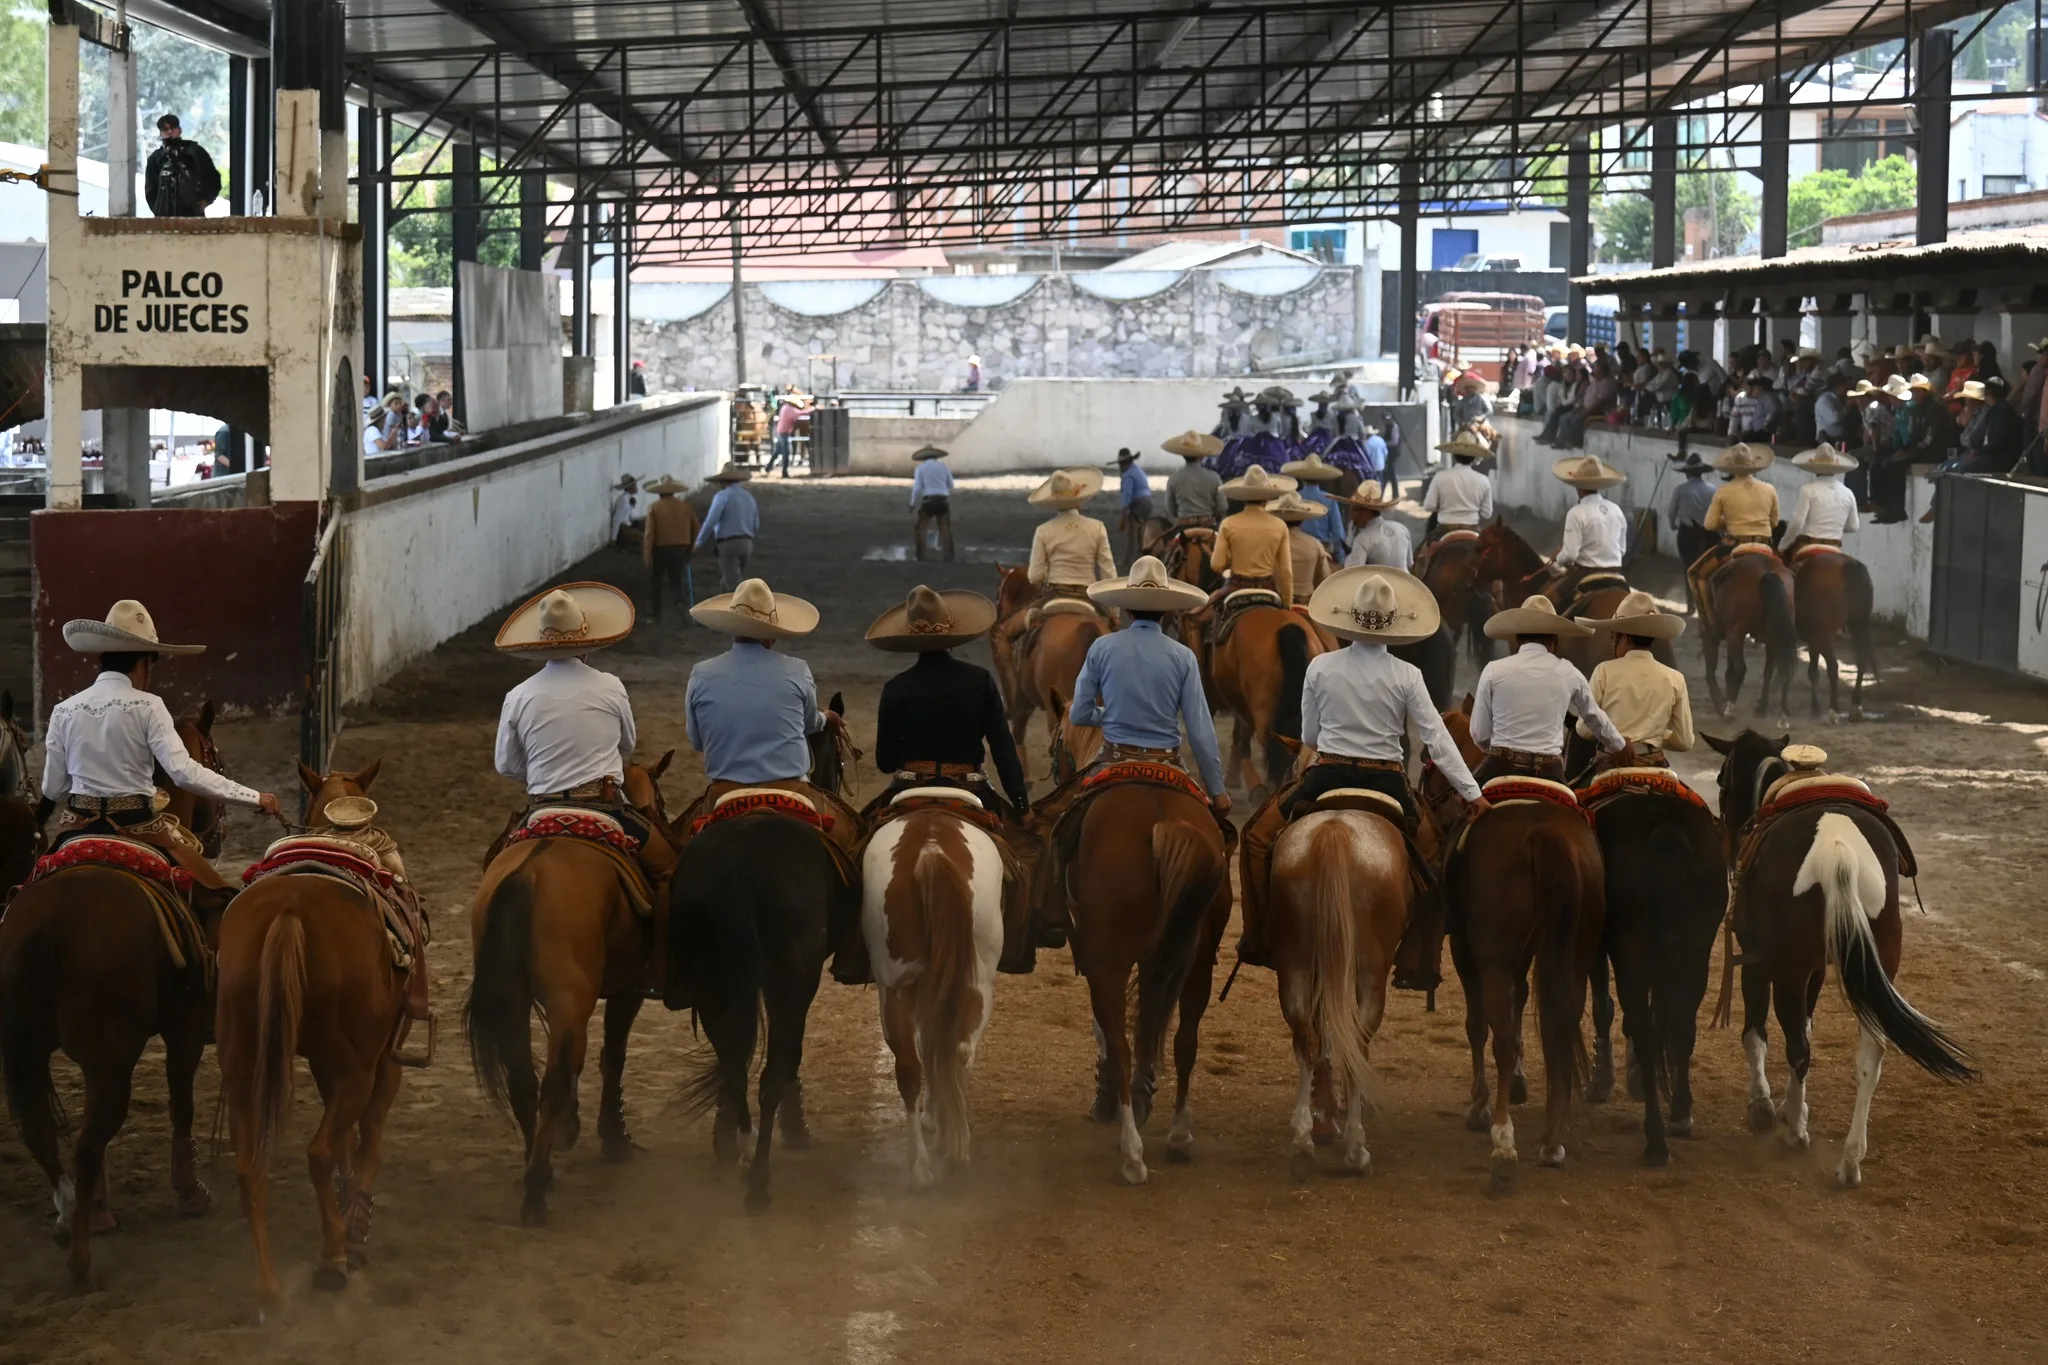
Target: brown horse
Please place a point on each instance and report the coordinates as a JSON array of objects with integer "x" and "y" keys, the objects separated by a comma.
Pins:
[
  {"x": 1258, "y": 672},
  {"x": 203, "y": 815},
  {"x": 1749, "y": 597},
  {"x": 1832, "y": 593},
  {"x": 1453, "y": 572},
  {"x": 1186, "y": 556},
  {"x": 305, "y": 971},
  {"x": 1507, "y": 559},
  {"x": 1820, "y": 885},
  {"x": 1052, "y": 663},
  {"x": 1073, "y": 747},
  {"x": 1523, "y": 888},
  {"x": 1341, "y": 894},
  {"x": 21, "y": 838},
  {"x": 84, "y": 966},
  {"x": 554, "y": 929},
  {"x": 1149, "y": 890}
]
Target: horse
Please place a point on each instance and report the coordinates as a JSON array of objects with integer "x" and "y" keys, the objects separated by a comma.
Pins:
[
  {"x": 1451, "y": 569},
  {"x": 554, "y": 928},
  {"x": 1341, "y": 895},
  {"x": 205, "y": 816},
  {"x": 1832, "y": 593},
  {"x": 21, "y": 837},
  {"x": 84, "y": 966},
  {"x": 1258, "y": 671},
  {"x": 932, "y": 913},
  {"x": 340, "y": 1015},
  {"x": 1149, "y": 886},
  {"x": 1506, "y": 558},
  {"x": 1820, "y": 885},
  {"x": 1073, "y": 746},
  {"x": 1186, "y": 557},
  {"x": 1524, "y": 888},
  {"x": 1749, "y": 597},
  {"x": 1052, "y": 663},
  {"x": 1666, "y": 895},
  {"x": 754, "y": 909}
]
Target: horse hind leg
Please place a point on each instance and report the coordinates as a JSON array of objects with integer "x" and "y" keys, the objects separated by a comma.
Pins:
[
  {"x": 569, "y": 1029},
  {"x": 368, "y": 1159},
  {"x": 614, "y": 1140},
  {"x": 1600, "y": 1085},
  {"x": 1869, "y": 1068},
  {"x": 899, "y": 1030},
  {"x": 778, "y": 1078},
  {"x": 1503, "y": 1019},
  {"x": 1194, "y": 1002},
  {"x": 1756, "y": 1044},
  {"x": 183, "y": 1048},
  {"x": 107, "y": 1091},
  {"x": 348, "y": 1099},
  {"x": 1107, "y": 992},
  {"x": 1301, "y": 1158},
  {"x": 1478, "y": 1113},
  {"x": 1795, "y": 1017}
]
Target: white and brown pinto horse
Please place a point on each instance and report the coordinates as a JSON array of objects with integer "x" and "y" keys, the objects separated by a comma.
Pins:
[{"x": 932, "y": 913}]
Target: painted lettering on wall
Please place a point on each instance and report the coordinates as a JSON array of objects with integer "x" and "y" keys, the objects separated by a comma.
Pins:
[{"x": 189, "y": 315}]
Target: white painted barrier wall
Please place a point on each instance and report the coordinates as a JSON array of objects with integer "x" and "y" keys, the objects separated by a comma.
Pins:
[
  {"x": 1900, "y": 556},
  {"x": 432, "y": 552}
]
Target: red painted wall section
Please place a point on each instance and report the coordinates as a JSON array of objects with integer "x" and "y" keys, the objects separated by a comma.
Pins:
[{"x": 229, "y": 578}]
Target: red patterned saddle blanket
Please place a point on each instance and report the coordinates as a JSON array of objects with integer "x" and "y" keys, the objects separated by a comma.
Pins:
[
  {"x": 313, "y": 853},
  {"x": 405, "y": 925},
  {"x": 574, "y": 822},
  {"x": 1141, "y": 770},
  {"x": 1616, "y": 782},
  {"x": 127, "y": 855},
  {"x": 1502, "y": 790},
  {"x": 763, "y": 800}
]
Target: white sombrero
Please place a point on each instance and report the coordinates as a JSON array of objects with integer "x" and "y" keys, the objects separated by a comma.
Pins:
[
  {"x": 1148, "y": 587},
  {"x": 1536, "y": 616},
  {"x": 1588, "y": 471},
  {"x": 1897, "y": 387},
  {"x": 1192, "y": 445},
  {"x": 350, "y": 812},
  {"x": 1824, "y": 459},
  {"x": 1804, "y": 758},
  {"x": 1373, "y": 602},
  {"x": 1294, "y": 507},
  {"x": 928, "y": 620},
  {"x": 128, "y": 628},
  {"x": 1313, "y": 469},
  {"x": 572, "y": 619},
  {"x": 1256, "y": 485},
  {"x": 1637, "y": 614},
  {"x": 1378, "y": 496},
  {"x": 1067, "y": 488},
  {"x": 753, "y": 612},
  {"x": 1972, "y": 390},
  {"x": 1743, "y": 458},
  {"x": 1465, "y": 446}
]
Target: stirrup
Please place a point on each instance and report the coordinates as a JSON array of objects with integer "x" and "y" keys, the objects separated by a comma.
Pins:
[{"x": 413, "y": 1060}]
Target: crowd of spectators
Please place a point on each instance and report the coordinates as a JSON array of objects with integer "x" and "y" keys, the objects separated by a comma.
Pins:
[{"x": 397, "y": 422}]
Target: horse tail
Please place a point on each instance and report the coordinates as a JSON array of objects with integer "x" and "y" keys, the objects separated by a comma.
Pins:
[
  {"x": 499, "y": 1006},
  {"x": 1188, "y": 873},
  {"x": 1333, "y": 955},
  {"x": 1292, "y": 639},
  {"x": 1843, "y": 866},
  {"x": 27, "y": 984},
  {"x": 1780, "y": 628},
  {"x": 1862, "y": 601},
  {"x": 713, "y": 936},
  {"x": 947, "y": 1013},
  {"x": 280, "y": 1006},
  {"x": 1556, "y": 886}
]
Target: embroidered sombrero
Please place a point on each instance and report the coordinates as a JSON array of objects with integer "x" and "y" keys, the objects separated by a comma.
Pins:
[
  {"x": 128, "y": 628},
  {"x": 928, "y": 620},
  {"x": 1536, "y": 616},
  {"x": 1744, "y": 458},
  {"x": 1256, "y": 485},
  {"x": 753, "y": 612},
  {"x": 1067, "y": 488},
  {"x": 1148, "y": 587},
  {"x": 1824, "y": 459},
  {"x": 572, "y": 619},
  {"x": 1192, "y": 445},
  {"x": 1637, "y": 614},
  {"x": 1374, "y": 602},
  {"x": 1295, "y": 508},
  {"x": 1313, "y": 468}
]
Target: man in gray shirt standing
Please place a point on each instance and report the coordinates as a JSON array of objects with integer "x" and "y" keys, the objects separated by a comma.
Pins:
[{"x": 1194, "y": 495}]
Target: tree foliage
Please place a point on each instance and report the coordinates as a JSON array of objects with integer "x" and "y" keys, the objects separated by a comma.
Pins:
[
  {"x": 422, "y": 245},
  {"x": 1624, "y": 217},
  {"x": 21, "y": 75},
  {"x": 1813, "y": 199}
]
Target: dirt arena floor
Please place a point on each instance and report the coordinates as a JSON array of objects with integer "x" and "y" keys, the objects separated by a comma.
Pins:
[{"x": 1737, "y": 1251}]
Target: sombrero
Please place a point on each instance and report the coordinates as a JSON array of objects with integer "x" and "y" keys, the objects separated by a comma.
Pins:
[
  {"x": 1373, "y": 602},
  {"x": 1236, "y": 398},
  {"x": 1905, "y": 353},
  {"x": 1920, "y": 381},
  {"x": 1256, "y": 485},
  {"x": 1743, "y": 458},
  {"x": 574, "y": 618},
  {"x": 732, "y": 473},
  {"x": 1465, "y": 446},
  {"x": 1293, "y": 507},
  {"x": 128, "y": 628},
  {"x": 1278, "y": 396},
  {"x": 1864, "y": 388},
  {"x": 929, "y": 620},
  {"x": 752, "y": 612},
  {"x": 1067, "y": 488},
  {"x": 1312, "y": 468},
  {"x": 928, "y": 453},
  {"x": 1148, "y": 587},
  {"x": 1824, "y": 459},
  {"x": 1694, "y": 464},
  {"x": 1803, "y": 758},
  {"x": 1897, "y": 387},
  {"x": 1588, "y": 471},
  {"x": 1468, "y": 383},
  {"x": 1536, "y": 616},
  {"x": 1378, "y": 496},
  {"x": 1192, "y": 445},
  {"x": 1972, "y": 390},
  {"x": 626, "y": 483},
  {"x": 1637, "y": 614},
  {"x": 665, "y": 484},
  {"x": 351, "y": 812}
]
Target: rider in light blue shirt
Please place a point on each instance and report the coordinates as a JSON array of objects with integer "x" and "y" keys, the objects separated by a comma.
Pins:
[
  {"x": 751, "y": 712},
  {"x": 930, "y": 479},
  {"x": 733, "y": 513}
]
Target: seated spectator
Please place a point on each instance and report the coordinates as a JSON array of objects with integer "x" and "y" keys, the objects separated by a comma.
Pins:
[
  {"x": 1830, "y": 411},
  {"x": 1753, "y": 416},
  {"x": 446, "y": 402},
  {"x": 1990, "y": 443}
]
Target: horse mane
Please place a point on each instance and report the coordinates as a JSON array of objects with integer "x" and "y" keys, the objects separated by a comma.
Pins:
[
  {"x": 1746, "y": 758},
  {"x": 1517, "y": 555}
]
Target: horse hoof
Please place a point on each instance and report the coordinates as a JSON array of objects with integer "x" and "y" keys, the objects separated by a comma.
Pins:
[
  {"x": 1679, "y": 1127},
  {"x": 1518, "y": 1089},
  {"x": 104, "y": 1222},
  {"x": 1325, "y": 1131},
  {"x": 921, "y": 1177},
  {"x": 797, "y": 1136},
  {"x": 533, "y": 1214},
  {"x": 1552, "y": 1157},
  {"x": 1762, "y": 1117},
  {"x": 195, "y": 1202},
  {"x": 1358, "y": 1162},
  {"x": 567, "y": 1132},
  {"x": 1727, "y": 709},
  {"x": 1795, "y": 1142},
  {"x": 617, "y": 1149},
  {"x": 1600, "y": 1089},
  {"x": 1141, "y": 1105},
  {"x": 1478, "y": 1120},
  {"x": 1134, "y": 1172},
  {"x": 330, "y": 1276},
  {"x": 1848, "y": 1177},
  {"x": 1105, "y": 1107},
  {"x": 1659, "y": 1155},
  {"x": 1302, "y": 1166},
  {"x": 757, "y": 1201},
  {"x": 1504, "y": 1171}
]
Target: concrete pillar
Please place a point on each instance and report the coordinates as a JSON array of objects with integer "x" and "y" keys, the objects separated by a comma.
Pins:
[
  {"x": 1664, "y": 192},
  {"x": 2019, "y": 328},
  {"x": 331, "y": 79},
  {"x": 1579, "y": 230},
  {"x": 1774, "y": 168},
  {"x": 1702, "y": 326},
  {"x": 1664, "y": 326},
  {"x": 1410, "y": 209},
  {"x": 124, "y": 432},
  {"x": 1784, "y": 318},
  {"x": 1931, "y": 80},
  {"x": 60, "y": 372},
  {"x": 1837, "y": 328},
  {"x": 1890, "y": 326},
  {"x": 1952, "y": 319}
]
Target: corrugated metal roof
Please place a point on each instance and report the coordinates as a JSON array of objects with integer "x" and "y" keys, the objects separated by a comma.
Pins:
[{"x": 2022, "y": 248}]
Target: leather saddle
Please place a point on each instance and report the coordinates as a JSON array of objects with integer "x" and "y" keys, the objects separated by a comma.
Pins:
[{"x": 1236, "y": 604}]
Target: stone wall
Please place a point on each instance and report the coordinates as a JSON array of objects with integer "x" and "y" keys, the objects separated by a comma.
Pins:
[{"x": 916, "y": 334}]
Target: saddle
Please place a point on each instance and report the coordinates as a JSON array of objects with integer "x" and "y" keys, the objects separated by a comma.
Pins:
[
  {"x": 168, "y": 886},
  {"x": 575, "y": 822},
  {"x": 1355, "y": 798},
  {"x": 1236, "y": 604},
  {"x": 1606, "y": 786},
  {"x": 1788, "y": 794},
  {"x": 1755, "y": 547},
  {"x": 1018, "y": 957},
  {"x": 1594, "y": 580},
  {"x": 742, "y": 801},
  {"x": 1058, "y": 606},
  {"x": 1808, "y": 551},
  {"x": 1516, "y": 789},
  {"x": 953, "y": 800}
]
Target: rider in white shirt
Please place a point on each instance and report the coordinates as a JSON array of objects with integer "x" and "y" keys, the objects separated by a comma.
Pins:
[
  {"x": 1595, "y": 530},
  {"x": 1825, "y": 511},
  {"x": 1520, "y": 704}
]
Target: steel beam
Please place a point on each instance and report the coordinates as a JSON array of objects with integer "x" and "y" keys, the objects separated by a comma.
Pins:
[{"x": 1932, "y": 79}]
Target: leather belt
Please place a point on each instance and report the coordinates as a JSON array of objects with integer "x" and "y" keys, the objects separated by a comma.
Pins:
[
  {"x": 1137, "y": 751},
  {"x": 1240, "y": 581},
  {"x": 102, "y": 805},
  {"x": 604, "y": 789},
  {"x": 1523, "y": 756},
  {"x": 1750, "y": 540},
  {"x": 1065, "y": 590},
  {"x": 1823, "y": 540},
  {"x": 963, "y": 772},
  {"x": 1385, "y": 765}
]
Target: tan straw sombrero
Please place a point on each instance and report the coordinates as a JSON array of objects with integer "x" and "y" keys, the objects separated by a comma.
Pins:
[
  {"x": 1587, "y": 471},
  {"x": 1743, "y": 458},
  {"x": 1148, "y": 587},
  {"x": 1192, "y": 445},
  {"x": 1067, "y": 488},
  {"x": 1468, "y": 383},
  {"x": 1864, "y": 388},
  {"x": 927, "y": 453},
  {"x": 1972, "y": 390},
  {"x": 1824, "y": 459},
  {"x": 1373, "y": 602},
  {"x": 1536, "y": 616},
  {"x": 1295, "y": 508},
  {"x": 665, "y": 484},
  {"x": 1465, "y": 446},
  {"x": 1637, "y": 614},
  {"x": 1313, "y": 469},
  {"x": 1256, "y": 485},
  {"x": 731, "y": 473},
  {"x": 572, "y": 619},
  {"x": 1378, "y": 496},
  {"x": 752, "y": 612},
  {"x": 1804, "y": 758},
  {"x": 350, "y": 812},
  {"x": 928, "y": 620},
  {"x": 128, "y": 628}
]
